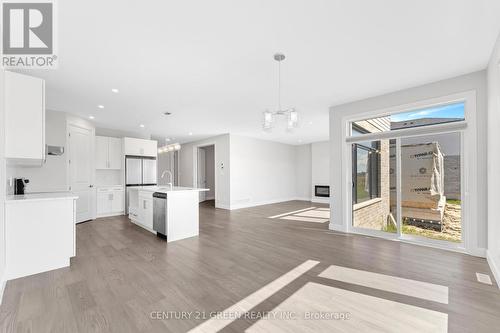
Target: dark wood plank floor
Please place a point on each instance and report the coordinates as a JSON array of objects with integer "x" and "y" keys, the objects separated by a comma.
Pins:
[{"x": 122, "y": 273}]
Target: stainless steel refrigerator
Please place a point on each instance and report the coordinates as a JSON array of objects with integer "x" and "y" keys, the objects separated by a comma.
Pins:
[{"x": 139, "y": 171}]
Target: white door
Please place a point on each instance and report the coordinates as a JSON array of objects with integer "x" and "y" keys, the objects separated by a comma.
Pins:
[
  {"x": 202, "y": 177},
  {"x": 80, "y": 170}
]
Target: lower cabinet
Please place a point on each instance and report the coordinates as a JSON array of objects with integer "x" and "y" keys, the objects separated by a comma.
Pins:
[
  {"x": 145, "y": 209},
  {"x": 110, "y": 201}
]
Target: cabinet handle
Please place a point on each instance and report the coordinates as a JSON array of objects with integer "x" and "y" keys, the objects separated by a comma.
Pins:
[{"x": 144, "y": 204}]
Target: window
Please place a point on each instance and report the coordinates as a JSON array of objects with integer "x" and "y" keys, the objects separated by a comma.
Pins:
[
  {"x": 366, "y": 171},
  {"x": 442, "y": 114}
]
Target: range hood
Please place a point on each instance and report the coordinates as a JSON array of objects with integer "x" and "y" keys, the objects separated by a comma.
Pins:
[{"x": 54, "y": 150}]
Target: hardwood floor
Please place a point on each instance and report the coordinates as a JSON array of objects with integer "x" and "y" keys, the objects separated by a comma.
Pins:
[{"x": 123, "y": 275}]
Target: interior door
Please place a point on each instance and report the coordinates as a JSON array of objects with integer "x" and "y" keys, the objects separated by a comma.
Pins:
[
  {"x": 81, "y": 170},
  {"x": 202, "y": 174}
]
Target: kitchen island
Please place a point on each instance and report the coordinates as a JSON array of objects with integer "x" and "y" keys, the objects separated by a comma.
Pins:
[{"x": 180, "y": 212}]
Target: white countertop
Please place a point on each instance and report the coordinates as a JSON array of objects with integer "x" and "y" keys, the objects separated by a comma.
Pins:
[
  {"x": 166, "y": 189},
  {"x": 41, "y": 196}
]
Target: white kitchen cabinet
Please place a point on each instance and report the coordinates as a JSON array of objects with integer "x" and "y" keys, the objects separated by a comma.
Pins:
[
  {"x": 146, "y": 209},
  {"x": 110, "y": 201},
  {"x": 108, "y": 153},
  {"x": 24, "y": 119},
  {"x": 140, "y": 147},
  {"x": 40, "y": 233},
  {"x": 103, "y": 205},
  {"x": 101, "y": 152},
  {"x": 117, "y": 203},
  {"x": 115, "y": 153}
]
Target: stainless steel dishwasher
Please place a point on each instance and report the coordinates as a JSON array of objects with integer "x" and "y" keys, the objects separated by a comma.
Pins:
[{"x": 160, "y": 214}]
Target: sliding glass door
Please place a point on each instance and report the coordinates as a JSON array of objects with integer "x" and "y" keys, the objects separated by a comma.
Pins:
[{"x": 407, "y": 180}]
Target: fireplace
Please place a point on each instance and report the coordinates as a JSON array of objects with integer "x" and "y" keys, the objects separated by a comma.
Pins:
[{"x": 322, "y": 191}]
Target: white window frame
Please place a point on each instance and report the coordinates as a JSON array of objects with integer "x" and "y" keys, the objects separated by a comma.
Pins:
[{"x": 468, "y": 147}]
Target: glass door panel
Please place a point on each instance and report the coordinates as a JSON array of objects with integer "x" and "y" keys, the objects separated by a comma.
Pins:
[
  {"x": 373, "y": 201},
  {"x": 431, "y": 189}
]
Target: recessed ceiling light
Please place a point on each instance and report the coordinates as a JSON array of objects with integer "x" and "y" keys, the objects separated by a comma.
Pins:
[
  {"x": 116, "y": 91},
  {"x": 190, "y": 133},
  {"x": 100, "y": 106},
  {"x": 141, "y": 125},
  {"x": 310, "y": 123},
  {"x": 91, "y": 117},
  {"x": 167, "y": 139}
]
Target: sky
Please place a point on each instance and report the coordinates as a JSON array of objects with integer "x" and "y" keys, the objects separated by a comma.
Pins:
[{"x": 446, "y": 111}]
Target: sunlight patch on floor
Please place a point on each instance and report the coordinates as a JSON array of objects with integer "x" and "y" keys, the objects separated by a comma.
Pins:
[
  {"x": 357, "y": 313},
  {"x": 311, "y": 214},
  {"x": 226, "y": 317},
  {"x": 413, "y": 288}
]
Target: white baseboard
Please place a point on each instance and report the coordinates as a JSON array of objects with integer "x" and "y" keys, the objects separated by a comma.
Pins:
[
  {"x": 336, "y": 227},
  {"x": 320, "y": 200},
  {"x": 477, "y": 252},
  {"x": 494, "y": 263},
  {"x": 265, "y": 202},
  {"x": 109, "y": 215},
  {"x": 301, "y": 199},
  {"x": 223, "y": 206}
]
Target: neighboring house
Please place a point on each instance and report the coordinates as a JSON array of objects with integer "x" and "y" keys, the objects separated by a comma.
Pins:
[{"x": 371, "y": 172}]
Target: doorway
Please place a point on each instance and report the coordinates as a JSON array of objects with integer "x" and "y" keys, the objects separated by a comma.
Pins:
[
  {"x": 80, "y": 157},
  {"x": 206, "y": 173}
]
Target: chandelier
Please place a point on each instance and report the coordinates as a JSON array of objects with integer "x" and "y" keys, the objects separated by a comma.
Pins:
[
  {"x": 291, "y": 114},
  {"x": 169, "y": 148}
]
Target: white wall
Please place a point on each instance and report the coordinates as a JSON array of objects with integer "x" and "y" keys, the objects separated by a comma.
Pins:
[
  {"x": 474, "y": 81},
  {"x": 320, "y": 168},
  {"x": 52, "y": 175},
  {"x": 187, "y": 167},
  {"x": 115, "y": 133},
  {"x": 210, "y": 172},
  {"x": 261, "y": 172},
  {"x": 493, "y": 169},
  {"x": 303, "y": 176},
  {"x": 3, "y": 182}
]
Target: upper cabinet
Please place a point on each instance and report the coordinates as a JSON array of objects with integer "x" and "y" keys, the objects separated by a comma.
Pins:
[
  {"x": 140, "y": 147},
  {"x": 24, "y": 119},
  {"x": 108, "y": 153}
]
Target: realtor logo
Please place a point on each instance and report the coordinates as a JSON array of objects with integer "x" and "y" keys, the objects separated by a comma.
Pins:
[{"x": 28, "y": 35}]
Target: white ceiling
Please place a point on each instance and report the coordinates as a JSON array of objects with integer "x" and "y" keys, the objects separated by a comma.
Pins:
[{"x": 211, "y": 63}]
